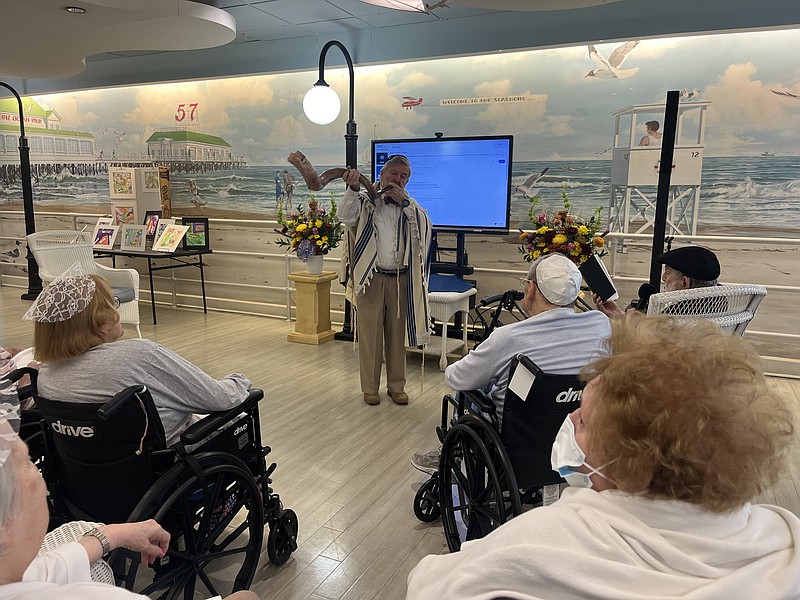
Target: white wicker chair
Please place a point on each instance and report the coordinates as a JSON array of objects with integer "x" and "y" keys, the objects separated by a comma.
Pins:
[
  {"x": 729, "y": 306},
  {"x": 56, "y": 251},
  {"x": 72, "y": 532}
]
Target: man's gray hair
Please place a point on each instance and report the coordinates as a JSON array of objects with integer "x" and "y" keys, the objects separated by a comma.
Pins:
[
  {"x": 398, "y": 159},
  {"x": 699, "y": 283}
]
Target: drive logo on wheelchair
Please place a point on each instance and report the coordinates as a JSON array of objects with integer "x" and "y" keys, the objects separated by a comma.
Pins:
[
  {"x": 85, "y": 431},
  {"x": 569, "y": 395}
]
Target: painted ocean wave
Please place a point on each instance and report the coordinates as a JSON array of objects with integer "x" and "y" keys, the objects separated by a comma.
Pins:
[{"x": 759, "y": 191}]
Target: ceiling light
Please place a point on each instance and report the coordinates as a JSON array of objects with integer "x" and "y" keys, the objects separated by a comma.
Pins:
[
  {"x": 75, "y": 10},
  {"x": 411, "y": 5}
]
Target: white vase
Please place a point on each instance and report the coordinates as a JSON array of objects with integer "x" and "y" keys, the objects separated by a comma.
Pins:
[{"x": 314, "y": 264}]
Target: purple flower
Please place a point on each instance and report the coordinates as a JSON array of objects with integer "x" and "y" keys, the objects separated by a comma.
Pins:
[
  {"x": 304, "y": 250},
  {"x": 315, "y": 230},
  {"x": 542, "y": 218},
  {"x": 570, "y": 246}
]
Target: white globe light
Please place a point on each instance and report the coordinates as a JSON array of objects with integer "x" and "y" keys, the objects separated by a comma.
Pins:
[{"x": 321, "y": 105}]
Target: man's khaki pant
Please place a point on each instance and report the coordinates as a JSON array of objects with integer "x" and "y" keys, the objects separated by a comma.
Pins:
[{"x": 378, "y": 323}]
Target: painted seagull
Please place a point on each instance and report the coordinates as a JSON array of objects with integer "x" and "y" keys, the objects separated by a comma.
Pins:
[
  {"x": 785, "y": 94},
  {"x": 526, "y": 187},
  {"x": 610, "y": 69},
  {"x": 10, "y": 255}
]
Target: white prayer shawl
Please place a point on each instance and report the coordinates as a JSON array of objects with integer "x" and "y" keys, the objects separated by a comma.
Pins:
[
  {"x": 360, "y": 263},
  {"x": 622, "y": 547}
]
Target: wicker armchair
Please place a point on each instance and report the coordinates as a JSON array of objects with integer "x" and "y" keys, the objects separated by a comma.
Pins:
[
  {"x": 72, "y": 532},
  {"x": 56, "y": 251},
  {"x": 729, "y": 306}
]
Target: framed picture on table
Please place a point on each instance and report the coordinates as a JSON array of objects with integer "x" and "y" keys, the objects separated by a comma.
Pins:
[
  {"x": 133, "y": 238},
  {"x": 160, "y": 227},
  {"x": 121, "y": 182},
  {"x": 104, "y": 236},
  {"x": 151, "y": 218},
  {"x": 124, "y": 212},
  {"x": 170, "y": 238},
  {"x": 196, "y": 237}
]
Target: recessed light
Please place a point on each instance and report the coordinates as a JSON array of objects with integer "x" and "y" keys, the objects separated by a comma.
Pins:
[{"x": 76, "y": 10}]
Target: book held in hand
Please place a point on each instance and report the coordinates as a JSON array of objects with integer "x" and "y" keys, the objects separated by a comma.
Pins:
[{"x": 597, "y": 278}]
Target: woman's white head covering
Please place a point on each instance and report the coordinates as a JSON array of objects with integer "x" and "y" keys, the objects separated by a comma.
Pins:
[{"x": 68, "y": 295}]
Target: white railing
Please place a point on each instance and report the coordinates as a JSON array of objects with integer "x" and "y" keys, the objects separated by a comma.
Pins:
[{"x": 285, "y": 310}]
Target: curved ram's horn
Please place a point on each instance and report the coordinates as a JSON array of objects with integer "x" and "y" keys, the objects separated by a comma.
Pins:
[{"x": 316, "y": 182}]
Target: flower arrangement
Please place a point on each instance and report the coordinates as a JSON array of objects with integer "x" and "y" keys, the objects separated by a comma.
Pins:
[
  {"x": 563, "y": 232},
  {"x": 312, "y": 231}
]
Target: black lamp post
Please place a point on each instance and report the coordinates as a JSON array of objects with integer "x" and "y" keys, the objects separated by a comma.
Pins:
[
  {"x": 34, "y": 282},
  {"x": 321, "y": 105}
]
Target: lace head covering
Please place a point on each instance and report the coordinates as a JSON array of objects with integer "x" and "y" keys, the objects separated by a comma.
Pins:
[{"x": 68, "y": 295}]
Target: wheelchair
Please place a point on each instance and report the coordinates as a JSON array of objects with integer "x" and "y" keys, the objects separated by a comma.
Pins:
[
  {"x": 211, "y": 490},
  {"x": 487, "y": 473}
]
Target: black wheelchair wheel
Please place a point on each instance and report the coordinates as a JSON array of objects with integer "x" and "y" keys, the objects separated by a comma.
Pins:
[
  {"x": 215, "y": 515},
  {"x": 282, "y": 539},
  {"x": 426, "y": 501},
  {"x": 477, "y": 488}
]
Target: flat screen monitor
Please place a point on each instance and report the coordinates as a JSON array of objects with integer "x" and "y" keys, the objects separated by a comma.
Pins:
[{"x": 463, "y": 182}]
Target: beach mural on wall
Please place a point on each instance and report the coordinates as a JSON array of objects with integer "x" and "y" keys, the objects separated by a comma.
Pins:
[{"x": 226, "y": 138}]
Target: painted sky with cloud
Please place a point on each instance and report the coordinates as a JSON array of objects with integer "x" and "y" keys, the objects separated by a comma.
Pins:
[{"x": 262, "y": 117}]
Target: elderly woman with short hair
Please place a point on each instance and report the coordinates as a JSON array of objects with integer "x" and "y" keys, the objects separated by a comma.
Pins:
[{"x": 676, "y": 435}]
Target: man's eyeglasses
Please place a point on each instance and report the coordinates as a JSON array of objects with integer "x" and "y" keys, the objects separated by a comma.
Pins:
[
  {"x": 116, "y": 302},
  {"x": 524, "y": 280}
]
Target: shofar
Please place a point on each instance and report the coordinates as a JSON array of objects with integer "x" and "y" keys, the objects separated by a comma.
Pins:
[{"x": 316, "y": 182}]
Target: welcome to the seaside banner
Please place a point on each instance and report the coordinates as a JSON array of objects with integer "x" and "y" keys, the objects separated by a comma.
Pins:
[{"x": 493, "y": 100}]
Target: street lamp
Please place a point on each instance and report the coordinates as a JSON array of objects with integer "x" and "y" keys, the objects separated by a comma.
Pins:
[
  {"x": 34, "y": 282},
  {"x": 321, "y": 105}
]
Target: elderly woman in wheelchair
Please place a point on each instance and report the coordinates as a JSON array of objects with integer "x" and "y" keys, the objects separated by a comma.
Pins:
[
  {"x": 76, "y": 340},
  {"x": 677, "y": 434},
  {"x": 136, "y": 455}
]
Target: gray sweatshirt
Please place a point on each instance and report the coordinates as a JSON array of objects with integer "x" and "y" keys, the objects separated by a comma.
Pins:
[
  {"x": 559, "y": 341},
  {"x": 179, "y": 388}
]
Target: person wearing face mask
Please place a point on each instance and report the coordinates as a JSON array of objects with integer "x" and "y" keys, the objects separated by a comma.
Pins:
[
  {"x": 386, "y": 271},
  {"x": 685, "y": 268},
  {"x": 677, "y": 434}
]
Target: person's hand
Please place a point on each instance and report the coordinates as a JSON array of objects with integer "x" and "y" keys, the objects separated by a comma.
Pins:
[
  {"x": 609, "y": 308},
  {"x": 146, "y": 537},
  {"x": 394, "y": 194},
  {"x": 350, "y": 177}
]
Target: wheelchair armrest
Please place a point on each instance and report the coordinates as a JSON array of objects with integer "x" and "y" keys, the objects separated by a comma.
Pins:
[
  {"x": 118, "y": 401},
  {"x": 482, "y": 400},
  {"x": 17, "y": 374},
  {"x": 212, "y": 422}
]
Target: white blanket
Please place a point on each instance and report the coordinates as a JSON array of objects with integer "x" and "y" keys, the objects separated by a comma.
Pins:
[{"x": 613, "y": 545}]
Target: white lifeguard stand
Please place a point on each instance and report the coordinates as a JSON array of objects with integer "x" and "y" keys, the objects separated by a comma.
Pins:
[{"x": 634, "y": 169}]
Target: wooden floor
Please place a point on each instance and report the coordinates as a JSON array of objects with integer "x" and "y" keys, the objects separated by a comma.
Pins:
[{"x": 343, "y": 466}]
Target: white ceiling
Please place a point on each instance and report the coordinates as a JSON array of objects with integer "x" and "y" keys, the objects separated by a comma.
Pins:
[{"x": 287, "y": 35}]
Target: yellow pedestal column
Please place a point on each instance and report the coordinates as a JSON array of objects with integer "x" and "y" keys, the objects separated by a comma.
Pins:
[{"x": 313, "y": 293}]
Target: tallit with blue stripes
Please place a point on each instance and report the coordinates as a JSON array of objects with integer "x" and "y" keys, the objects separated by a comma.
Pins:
[{"x": 361, "y": 261}]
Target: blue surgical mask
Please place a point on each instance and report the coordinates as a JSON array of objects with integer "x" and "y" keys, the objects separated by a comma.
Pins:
[{"x": 567, "y": 455}]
